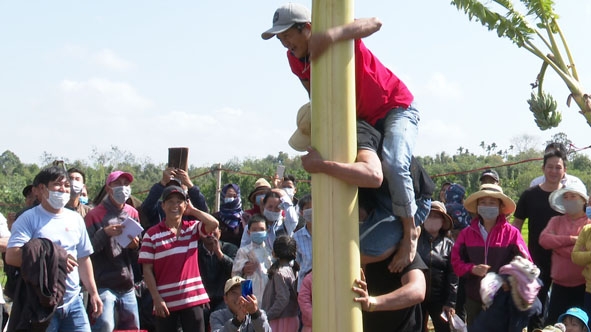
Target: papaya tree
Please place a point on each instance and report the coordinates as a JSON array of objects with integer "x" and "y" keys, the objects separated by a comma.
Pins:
[{"x": 538, "y": 32}]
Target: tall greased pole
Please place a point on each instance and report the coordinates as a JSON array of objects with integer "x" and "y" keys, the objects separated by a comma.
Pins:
[{"x": 336, "y": 221}]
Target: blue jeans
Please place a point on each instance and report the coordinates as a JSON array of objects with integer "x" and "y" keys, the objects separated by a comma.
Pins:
[
  {"x": 70, "y": 317},
  {"x": 117, "y": 304},
  {"x": 382, "y": 230},
  {"x": 401, "y": 127}
]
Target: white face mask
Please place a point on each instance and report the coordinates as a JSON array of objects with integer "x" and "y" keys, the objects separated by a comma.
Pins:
[
  {"x": 289, "y": 191},
  {"x": 573, "y": 206},
  {"x": 229, "y": 199},
  {"x": 488, "y": 212},
  {"x": 272, "y": 216},
  {"x": 58, "y": 199},
  {"x": 307, "y": 215},
  {"x": 121, "y": 194},
  {"x": 76, "y": 186}
]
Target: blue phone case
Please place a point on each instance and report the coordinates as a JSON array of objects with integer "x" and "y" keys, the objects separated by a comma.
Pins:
[{"x": 246, "y": 287}]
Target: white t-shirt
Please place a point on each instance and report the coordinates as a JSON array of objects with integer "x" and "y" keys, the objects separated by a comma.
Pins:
[
  {"x": 567, "y": 179},
  {"x": 67, "y": 229}
]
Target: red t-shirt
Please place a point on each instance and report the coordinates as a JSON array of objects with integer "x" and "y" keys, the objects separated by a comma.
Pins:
[
  {"x": 378, "y": 90},
  {"x": 175, "y": 263}
]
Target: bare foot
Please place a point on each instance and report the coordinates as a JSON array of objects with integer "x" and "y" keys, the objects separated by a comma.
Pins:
[{"x": 407, "y": 251}]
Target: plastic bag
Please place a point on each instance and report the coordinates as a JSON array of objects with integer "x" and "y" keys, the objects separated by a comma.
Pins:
[{"x": 456, "y": 324}]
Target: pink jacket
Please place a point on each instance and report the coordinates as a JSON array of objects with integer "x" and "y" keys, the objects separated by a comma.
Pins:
[
  {"x": 502, "y": 244},
  {"x": 557, "y": 237},
  {"x": 305, "y": 302}
]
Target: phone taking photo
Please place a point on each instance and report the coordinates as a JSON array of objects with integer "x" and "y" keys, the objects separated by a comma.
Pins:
[
  {"x": 280, "y": 171},
  {"x": 246, "y": 287}
]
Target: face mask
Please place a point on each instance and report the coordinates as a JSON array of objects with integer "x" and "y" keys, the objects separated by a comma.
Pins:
[
  {"x": 289, "y": 191},
  {"x": 83, "y": 200},
  {"x": 572, "y": 206},
  {"x": 121, "y": 194},
  {"x": 272, "y": 216},
  {"x": 307, "y": 214},
  {"x": 488, "y": 212},
  {"x": 259, "y": 198},
  {"x": 258, "y": 237},
  {"x": 229, "y": 199},
  {"x": 76, "y": 186},
  {"x": 58, "y": 199},
  {"x": 588, "y": 211}
]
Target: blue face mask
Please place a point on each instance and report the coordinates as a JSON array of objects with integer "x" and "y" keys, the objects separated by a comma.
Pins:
[
  {"x": 83, "y": 200},
  {"x": 588, "y": 211},
  {"x": 258, "y": 237}
]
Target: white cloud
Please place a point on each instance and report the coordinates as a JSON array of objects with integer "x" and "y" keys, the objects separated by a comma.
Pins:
[
  {"x": 103, "y": 96},
  {"x": 109, "y": 59},
  {"x": 439, "y": 86}
]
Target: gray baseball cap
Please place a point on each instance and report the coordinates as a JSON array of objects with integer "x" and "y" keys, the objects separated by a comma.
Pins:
[{"x": 285, "y": 17}]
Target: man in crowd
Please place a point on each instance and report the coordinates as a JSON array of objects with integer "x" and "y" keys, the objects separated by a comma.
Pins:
[
  {"x": 151, "y": 206},
  {"x": 383, "y": 101},
  {"x": 50, "y": 220},
  {"x": 533, "y": 205},
  {"x": 396, "y": 294},
  {"x": 242, "y": 313},
  {"x": 215, "y": 261},
  {"x": 77, "y": 181}
]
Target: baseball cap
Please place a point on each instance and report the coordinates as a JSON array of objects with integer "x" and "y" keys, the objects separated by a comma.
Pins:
[
  {"x": 490, "y": 172},
  {"x": 173, "y": 190},
  {"x": 117, "y": 174},
  {"x": 301, "y": 139},
  {"x": 285, "y": 17},
  {"x": 578, "y": 313},
  {"x": 236, "y": 280}
]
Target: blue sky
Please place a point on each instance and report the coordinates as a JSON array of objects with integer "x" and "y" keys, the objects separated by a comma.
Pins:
[{"x": 146, "y": 75}]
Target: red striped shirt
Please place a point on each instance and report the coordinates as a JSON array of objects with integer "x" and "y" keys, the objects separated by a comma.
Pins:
[{"x": 176, "y": 267}]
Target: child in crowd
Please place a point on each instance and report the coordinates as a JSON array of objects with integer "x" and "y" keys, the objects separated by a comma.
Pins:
[
  {"x": 280, "y": 298},
  {"x": 253, "y": 260},
  {"x": 575, "y": 320}
]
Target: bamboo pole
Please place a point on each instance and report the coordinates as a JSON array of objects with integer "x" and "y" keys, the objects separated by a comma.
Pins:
[{"x": 336, "y": 221}]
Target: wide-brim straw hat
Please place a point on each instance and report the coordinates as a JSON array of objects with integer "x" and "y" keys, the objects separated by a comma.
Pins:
[{"x": 490, "y": 190}]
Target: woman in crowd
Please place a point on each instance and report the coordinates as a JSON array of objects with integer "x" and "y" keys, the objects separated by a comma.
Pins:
[
  {"x": 560, "y": 236},
  {"x": 230, "y": 214},
  {"x": 435, "y": 247},
  {"x": 487, "y": 244}
]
